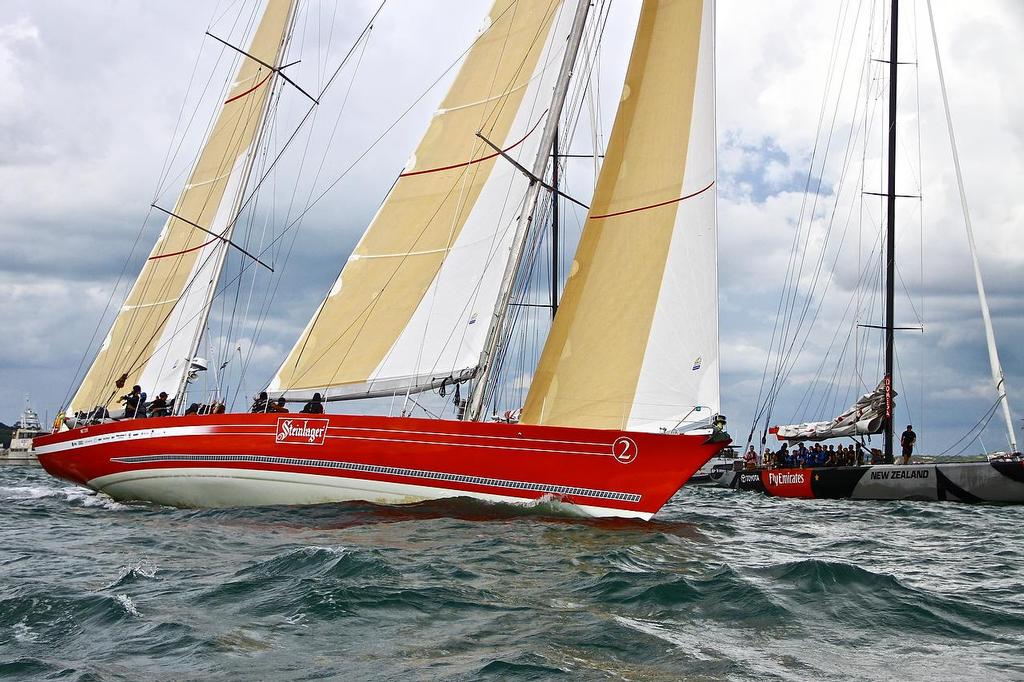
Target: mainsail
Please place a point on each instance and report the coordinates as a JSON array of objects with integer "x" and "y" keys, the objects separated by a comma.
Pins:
[
  {"x": 411, "y": 307},
  {"x": 635, "y": 342},
  {"x": 156, "y": 331},
  {"x": 865, "y": 417}
]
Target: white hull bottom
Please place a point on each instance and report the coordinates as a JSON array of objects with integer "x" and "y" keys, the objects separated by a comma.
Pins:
[{"x": 231, "y": 487}]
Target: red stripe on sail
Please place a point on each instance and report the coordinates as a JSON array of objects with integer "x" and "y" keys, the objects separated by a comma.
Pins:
[
  {"x": 470, "y": 163},
  {"x": 644, "y": 208},
  {"x": 253, "y": 88},
  {"x": 178, "y": 253}
]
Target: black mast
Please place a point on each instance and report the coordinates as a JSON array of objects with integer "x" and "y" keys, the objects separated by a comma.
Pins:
[
  {"x": 890, "y": 236},
  {"x": 554, "y": 229}
]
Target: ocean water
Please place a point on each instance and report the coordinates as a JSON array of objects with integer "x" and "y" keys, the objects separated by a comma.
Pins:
[{"x": 722, "y": 585}]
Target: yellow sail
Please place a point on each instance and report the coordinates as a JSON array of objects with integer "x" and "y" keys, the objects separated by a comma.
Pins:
[
  {"x": 153, "y": 335},
  {"x": 635, "y": 341},
  {"x": 411, "y": 306}
]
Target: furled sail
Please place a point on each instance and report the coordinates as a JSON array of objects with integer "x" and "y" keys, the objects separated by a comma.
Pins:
[
  {"x": 156, "y": 331},
  {"x": 411, "y": 307},
  {"x": 635, "y": 342},
  {"x": 865, "y": 417}
]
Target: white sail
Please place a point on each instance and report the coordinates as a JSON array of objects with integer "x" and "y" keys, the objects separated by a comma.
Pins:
[
  {"x": 635, "y": 342},
  {"x": 990, "y": 335},
  {"x": 865, "y": 417},
  {"x": 155, "y": 333},
  {"x": 411, "y": 307}
]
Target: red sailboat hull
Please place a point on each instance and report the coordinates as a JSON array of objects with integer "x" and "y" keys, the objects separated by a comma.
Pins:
[{"x": 261, "y": 459}]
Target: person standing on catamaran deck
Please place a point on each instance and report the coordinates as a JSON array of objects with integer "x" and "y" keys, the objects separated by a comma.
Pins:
[{"x": 907, "y": 441}]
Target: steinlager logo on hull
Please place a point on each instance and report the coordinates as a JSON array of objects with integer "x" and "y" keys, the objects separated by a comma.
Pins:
[{"x": 301, "y": 431}]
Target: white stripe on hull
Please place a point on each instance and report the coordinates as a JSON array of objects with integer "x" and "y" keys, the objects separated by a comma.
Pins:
[{"x": 231, "y": 487}]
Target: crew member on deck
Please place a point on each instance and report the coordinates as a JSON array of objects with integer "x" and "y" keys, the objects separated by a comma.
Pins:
[
  {"x": 278, "y": 406},
  {"x": 260, "y": 404},
  {"x": 134, "y": 403},
  {"x": 314, "y": 406},
  {"x": 160, "y": 407},
  {"x": 750, "y": 459},
  {"x": 907, "y": 441}
]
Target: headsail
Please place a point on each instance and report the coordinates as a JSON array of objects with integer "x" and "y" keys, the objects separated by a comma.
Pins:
[
  {"x": 411, "y": 307},
  {"x": 635, "y": 342},
  {"x": 998, "y": 378},
  {"x": 865, "y": 417},
  {"x": 154, "y": 335}
]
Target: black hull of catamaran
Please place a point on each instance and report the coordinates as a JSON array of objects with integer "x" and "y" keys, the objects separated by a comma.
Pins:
[{"x": 1001, "y": 482}]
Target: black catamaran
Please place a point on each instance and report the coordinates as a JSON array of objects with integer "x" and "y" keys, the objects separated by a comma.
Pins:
[{"x": 999, "y": 480}]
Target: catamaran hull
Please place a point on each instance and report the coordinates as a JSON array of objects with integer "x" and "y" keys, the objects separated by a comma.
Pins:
[
  {"x": 959, "y": 482},
  {"x": 265, "y": 459}
]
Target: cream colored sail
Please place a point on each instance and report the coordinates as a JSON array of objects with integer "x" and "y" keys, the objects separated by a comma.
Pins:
[
  {"x": 153, "y": 337},
  {"x": 411, "y": 307},
  {"x": 635, "y": 342}
]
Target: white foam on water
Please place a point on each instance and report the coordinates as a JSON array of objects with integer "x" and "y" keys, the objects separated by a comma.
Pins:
[
  {"x": 90, "y": 498},
  {"x": 24, "y": 634},
  {"x": 26, "y": 492},
  {"x": 73, "y": 494},
  {"x": 142, "y": 568},
  {"x": 127, "y": 604}
]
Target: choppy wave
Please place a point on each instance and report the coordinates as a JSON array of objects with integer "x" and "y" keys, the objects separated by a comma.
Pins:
[{"x": 720, "y": 586}]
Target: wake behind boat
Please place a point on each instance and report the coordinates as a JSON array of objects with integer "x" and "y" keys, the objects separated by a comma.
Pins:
[{"x": 622, "y": 407}]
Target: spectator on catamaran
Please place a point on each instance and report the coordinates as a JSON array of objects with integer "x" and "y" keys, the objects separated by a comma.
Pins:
[
  {"x": 907, "y": 441},
  {"x": 782, "y": 456}
]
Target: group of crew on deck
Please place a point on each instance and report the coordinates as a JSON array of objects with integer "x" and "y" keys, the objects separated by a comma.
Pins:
[
  {"x": 265, "y": 404},
  {"x": 800, "y": 456},
  {"x": 137, "y": 407}
]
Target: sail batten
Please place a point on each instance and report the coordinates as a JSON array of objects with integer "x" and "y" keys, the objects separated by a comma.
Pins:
[
  {"x": 153, "y": 337},
  {"x": 634, "y": 344},
  {"x": 411, "y": 305}
]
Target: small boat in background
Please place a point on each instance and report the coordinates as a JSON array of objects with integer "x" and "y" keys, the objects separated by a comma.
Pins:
[{"x": 27, "y": 428}]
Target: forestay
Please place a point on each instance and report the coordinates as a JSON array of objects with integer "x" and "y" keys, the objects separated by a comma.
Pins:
[
  {"x": 865, "y": 417},
  {"x": 635, "y": 342},
  {"x": 155, "y": 333},
  {"x": 411, "y": 307}
]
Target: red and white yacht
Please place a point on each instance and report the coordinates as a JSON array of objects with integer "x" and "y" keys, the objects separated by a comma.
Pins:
[{"x": 622, "y": 406}]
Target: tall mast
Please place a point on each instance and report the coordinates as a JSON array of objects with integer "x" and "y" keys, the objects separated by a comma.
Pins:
[
  {"x": 554, "y": 228},
  {"x": 990, "y": 336},
  {"x": 179, "y": 396},
  {"x": 890, "y": 236},
  {"x": 480, "y": 392}
]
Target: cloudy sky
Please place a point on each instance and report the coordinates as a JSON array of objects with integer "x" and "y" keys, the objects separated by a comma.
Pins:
[{"x": 91, "y": 100}]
